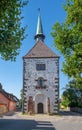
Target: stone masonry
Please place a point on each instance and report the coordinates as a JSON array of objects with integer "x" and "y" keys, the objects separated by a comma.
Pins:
[
  {"x": 49, "y": 93},
  {"x": 40, "y": 77}
]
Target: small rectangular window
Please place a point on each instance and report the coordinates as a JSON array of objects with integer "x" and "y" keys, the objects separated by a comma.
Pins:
[{"x": 40, "y": 67}]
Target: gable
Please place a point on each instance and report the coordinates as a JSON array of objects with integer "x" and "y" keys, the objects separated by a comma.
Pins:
[{"x": 40, "y": 50}]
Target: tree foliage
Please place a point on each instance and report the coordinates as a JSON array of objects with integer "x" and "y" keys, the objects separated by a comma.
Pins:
[
  {"x": 11, "y": 32},
  {"x": 72, "y": 96},
  {"x": 68, "y": 39},
  {"x": 21, "y": 98}
]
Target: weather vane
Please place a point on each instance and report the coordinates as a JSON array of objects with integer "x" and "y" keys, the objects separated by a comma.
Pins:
[{"x": 39, "y": 9}]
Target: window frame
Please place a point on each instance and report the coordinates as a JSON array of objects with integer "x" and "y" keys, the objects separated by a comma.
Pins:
[
  {"x": 40, "y": 82},
  {"x": 40, "y": 67}
]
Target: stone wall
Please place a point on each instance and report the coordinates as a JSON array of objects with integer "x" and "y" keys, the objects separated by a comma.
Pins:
[{"x": 51, "y": 82}]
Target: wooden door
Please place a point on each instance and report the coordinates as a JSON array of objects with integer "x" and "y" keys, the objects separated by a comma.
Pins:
[{"x": 40, "y": 108}]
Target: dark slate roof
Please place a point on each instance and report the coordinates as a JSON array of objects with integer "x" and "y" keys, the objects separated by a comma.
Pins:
[
  {"x": 9, "y": 96},
  {"x": 40, "y": 50}
]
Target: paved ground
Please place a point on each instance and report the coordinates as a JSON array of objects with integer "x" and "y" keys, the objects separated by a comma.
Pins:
[{"x": 64, "y": 121}]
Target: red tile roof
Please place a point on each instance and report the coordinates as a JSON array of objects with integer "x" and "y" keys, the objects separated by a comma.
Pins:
[{"x": 40, "y": 50}]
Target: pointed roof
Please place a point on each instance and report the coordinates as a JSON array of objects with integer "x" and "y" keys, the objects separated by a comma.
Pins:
[
  {"x": 39, "y": 30},
  {"x": 39, "y": 26},
  {"x": 40, "y": 50}
]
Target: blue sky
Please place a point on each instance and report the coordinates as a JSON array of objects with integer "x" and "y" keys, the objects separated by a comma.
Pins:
[{"x": 11, "y": 73}]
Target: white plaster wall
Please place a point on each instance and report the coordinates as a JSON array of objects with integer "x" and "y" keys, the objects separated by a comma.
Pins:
[{"x": 31, "y": 74}]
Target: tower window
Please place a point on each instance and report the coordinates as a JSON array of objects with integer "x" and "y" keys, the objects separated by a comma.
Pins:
[
  {"x": 40, "y": 67},
  {"x": 40, "y": 82}
]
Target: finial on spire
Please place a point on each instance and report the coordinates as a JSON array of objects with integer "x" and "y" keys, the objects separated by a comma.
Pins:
[
  {"x": 39, "y": 32},
  {"x": 38, "y": 9}
]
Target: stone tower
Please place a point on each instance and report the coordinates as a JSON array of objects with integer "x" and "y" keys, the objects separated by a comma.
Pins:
[{"x": 40, "y": 77}]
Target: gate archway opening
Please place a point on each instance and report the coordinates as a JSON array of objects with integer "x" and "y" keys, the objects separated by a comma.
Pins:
[{"x": 40, "y": 107}]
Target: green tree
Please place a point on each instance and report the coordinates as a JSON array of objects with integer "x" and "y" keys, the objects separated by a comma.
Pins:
[
  {"x": 68, "y": 40},
  {"x": 21, "y": 98},
  {"x": 11, "y": 32},
  {"x": 69, "y": 98},
  {"x": 72, "y": 96}
]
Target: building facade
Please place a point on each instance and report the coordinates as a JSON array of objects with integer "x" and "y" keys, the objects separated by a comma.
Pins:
[
  {"x": 8, "y": 102},
  {"x": 40, "y": 77}
]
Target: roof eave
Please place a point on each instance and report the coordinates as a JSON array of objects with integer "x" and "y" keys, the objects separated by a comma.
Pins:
[{"x": 39, "y": 57}]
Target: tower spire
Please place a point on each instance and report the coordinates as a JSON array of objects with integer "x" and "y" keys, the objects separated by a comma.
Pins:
[{"x": 39, "y": 31}]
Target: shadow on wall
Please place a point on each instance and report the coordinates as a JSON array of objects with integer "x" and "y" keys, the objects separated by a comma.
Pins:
[{"x": 25, "y": 125}]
